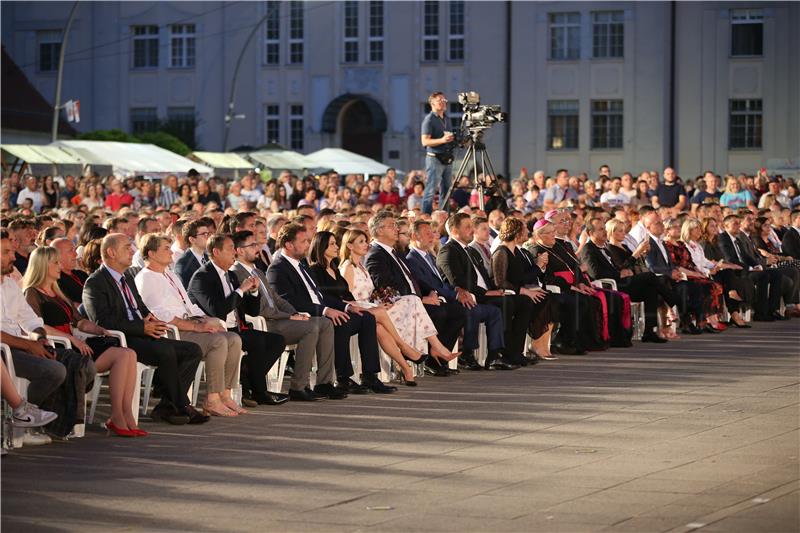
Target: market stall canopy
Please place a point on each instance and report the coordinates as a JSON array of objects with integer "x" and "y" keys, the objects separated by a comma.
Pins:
[
  {"x": 41, "y": 159},
  {"x": 278, "y": 159},
  {"x": 345, "y": 162},
  {"x": 132, "y": 159},
  {"x": 226, "y": 165}
]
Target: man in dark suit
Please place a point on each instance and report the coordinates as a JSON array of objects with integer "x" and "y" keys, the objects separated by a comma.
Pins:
[
  {"x": 688, "y": 295},
  {"x": 219, "y": 294},
  {"x": 768, "y": 282},
  {"x": 422, "y": 263},
  {"x": 112, "y": 301},
  {"x": 791, "y": 237},
  {"x": 311, "y": 334},
  {"x": 289, "y": 277},
  {"x": 388, "y": 269},
  {"x": 196, "y": 234},
  {"x": 641, "y": 287},
  {"x": 474, "y": 286}
]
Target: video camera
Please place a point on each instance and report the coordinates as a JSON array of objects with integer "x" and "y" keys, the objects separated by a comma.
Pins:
[{"x": 477, "y": 117}]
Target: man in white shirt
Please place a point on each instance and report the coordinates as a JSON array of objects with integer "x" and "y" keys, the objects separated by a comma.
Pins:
[
  {"x": 614, "y": 197},
  {"x": 163, "y": 293},
  {"x": 144, "y": 226},
  {"x": 31, "y": 192}
]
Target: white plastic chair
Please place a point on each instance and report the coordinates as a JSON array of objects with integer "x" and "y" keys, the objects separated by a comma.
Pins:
[
  {"x": 278, "y": 371},
  {"x": 21, "y": 384}
]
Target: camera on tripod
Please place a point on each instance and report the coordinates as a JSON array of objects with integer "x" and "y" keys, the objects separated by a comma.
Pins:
[{"x": 476, "y": 116}]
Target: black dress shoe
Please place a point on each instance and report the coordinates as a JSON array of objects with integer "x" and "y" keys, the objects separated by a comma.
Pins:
[
  {"x": 327, "y": 390},
  {"x": 763, "y": 318},
  {"x": 195, "y": 416},
  {"x": 453, "y": 371},
  {"x": 778, "y": 316},
  {"x": 651, "y": 336},
  {"x": 379, "y": 387},
  {"x": 169, "y": 414},
  {"x": 349, "y": 386},
  {"x": 440, "y": 371},
  {"x": 691, "y": 329},
  {"x": 468, "y": 362},
  {"x": 563, "y": 349},
  {"x": 500, "y": 364},
  {"x": 305, "y": 395},
  {"x": 271, "y": 398},
  {"x": 708, "y": 328}
]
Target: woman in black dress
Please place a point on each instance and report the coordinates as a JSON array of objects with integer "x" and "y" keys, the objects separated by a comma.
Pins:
[
  {"x": 513, "y": 269},
  {"x": 46, "y": 299}
]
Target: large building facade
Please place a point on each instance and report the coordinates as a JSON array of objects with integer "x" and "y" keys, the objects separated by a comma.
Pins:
[{"x": 637, "y": 86}]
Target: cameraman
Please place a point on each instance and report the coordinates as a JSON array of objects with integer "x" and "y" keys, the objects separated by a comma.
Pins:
[{"x": 439, "y": 145}]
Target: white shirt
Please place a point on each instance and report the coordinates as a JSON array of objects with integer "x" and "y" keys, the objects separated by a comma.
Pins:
[
  {"x": 137, "y": 260},
  {"x": 176, "y": 252},
  {"x": 699, "y": 258},
  {"x": 612, "y": 199},
  {"x": 390, "y": 251},
  {"x": 231, "y": 321},
  {"x": 164, "y": 295},
  {"x": 660, "y": 245},
  {"x": 17, "y": 316},
  {"x": 481, "y": 282},
  {"x": 311, "y": 292},
  {"x": 35, "y": 196}
]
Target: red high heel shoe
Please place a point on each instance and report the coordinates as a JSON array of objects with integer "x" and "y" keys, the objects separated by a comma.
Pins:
[
  {"x": 118, "y": 431},
  {"x": 139, "y": 432}
]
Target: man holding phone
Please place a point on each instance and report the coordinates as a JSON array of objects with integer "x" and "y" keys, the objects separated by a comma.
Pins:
[
  {"x": 439, "y": 145},
  {"x": 113, "y": 302}
]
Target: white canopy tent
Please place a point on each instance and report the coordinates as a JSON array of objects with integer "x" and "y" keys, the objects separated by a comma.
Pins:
[
  {"x": 132, "y": 159},
  {"x": 345, "y": 162},
  {"x": 278, "y": 159},
  {"x": 226, "y": 165},
  {"x": 38, "y": 159}
]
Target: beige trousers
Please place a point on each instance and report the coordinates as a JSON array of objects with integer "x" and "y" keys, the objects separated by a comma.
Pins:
[{"x": 221, "y": 353}]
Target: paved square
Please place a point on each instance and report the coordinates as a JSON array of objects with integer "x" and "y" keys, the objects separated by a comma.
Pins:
[{"x": 697, "y": 434}]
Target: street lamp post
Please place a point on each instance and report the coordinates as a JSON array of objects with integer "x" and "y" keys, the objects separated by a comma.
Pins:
[{"x": 57, "y": 101}]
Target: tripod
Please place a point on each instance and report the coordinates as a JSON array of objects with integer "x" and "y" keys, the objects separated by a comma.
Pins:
[{"x": 476, "y": 151}]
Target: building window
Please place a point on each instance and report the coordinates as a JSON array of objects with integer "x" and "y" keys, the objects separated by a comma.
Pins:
[
  {"x": 145, "y": 46},
  {"x": 745, "y": 124},
  {"x": 296, "y": 127},
  {"x": 562, "y": 124},
  {"x": 296, "y": 33},
  {"x": 606, "y": 124},
  {"x": 350, "y": 32},
  {"x": 454, "y": 113},
  {"x": 181, "y": 123},
  {"x": 182, "y": 46},
  {"x": 272, "y": 37},
  {"x": 143, "y": 119},
  {"x": 565, "y": 35},
  {"x": 49, "y": 50},
  {"x": 376, "y": 32},
  {"x": 430, "y": 31},
  {"x": 608, "y": 33},
  {"x": 272, "y": 124},
  {"x": 455, "y": 37},
  {"x": 747, "y": 32}
]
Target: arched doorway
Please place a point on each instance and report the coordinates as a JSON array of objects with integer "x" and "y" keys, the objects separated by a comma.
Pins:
[{"x": 360, "y": 122}]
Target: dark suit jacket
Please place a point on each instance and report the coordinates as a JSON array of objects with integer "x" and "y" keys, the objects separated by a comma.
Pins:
[
  {"x": 186, "y": 266},
  {"x": 285, "y": 280},
  {"x": 384, "y": 270},
  {"x": 729, "y": 251},
  {"x": 458, "y": 269},
  {"x": 205, "y": 289},
  {"x": 426, "y": 279},
  {"x": 104, "y": 303},
  {"x": 791, "y": 243},
  {"x": 596, "y": 263},
  {"x": 280, "y": 308},
  {"x": 656, "y": 261}
]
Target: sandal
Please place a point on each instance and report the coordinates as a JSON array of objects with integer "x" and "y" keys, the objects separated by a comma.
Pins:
[
  {"x": 230, "y": 404},
  {"x": 217, "y": 408}
]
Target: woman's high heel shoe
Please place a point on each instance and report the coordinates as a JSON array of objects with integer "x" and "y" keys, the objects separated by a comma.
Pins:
[
  {"x": 407, "y": 382},
  {"x": 139, "y": 432},
  {"x": 118, "y": 431},
  {"x": 422, "y": 358},
  {"x": 217, "y": 409}
]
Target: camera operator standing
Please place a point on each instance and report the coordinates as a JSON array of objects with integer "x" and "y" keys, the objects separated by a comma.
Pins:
[{"x": 439, "y": 145}]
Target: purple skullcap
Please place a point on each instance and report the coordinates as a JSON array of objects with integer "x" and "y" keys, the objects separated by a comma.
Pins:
[
  {"x": 550, "y": 214},
  {"x": 541, "y": 223}
]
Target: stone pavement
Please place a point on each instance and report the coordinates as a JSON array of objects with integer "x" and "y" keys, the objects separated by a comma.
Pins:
[{"x": 697, "y": 434}]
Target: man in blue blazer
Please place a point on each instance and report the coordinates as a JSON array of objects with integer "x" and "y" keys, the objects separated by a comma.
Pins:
[
  {"x": 196, "y": 234},
  {"x": 289, "y": 276},
  {"x": 422, "y": 263}
]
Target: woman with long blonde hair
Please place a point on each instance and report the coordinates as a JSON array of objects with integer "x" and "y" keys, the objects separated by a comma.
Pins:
[{"x": 60, "y": 316}]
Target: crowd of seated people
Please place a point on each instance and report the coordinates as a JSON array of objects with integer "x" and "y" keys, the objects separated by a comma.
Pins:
[{"x": 559, "y": 266}]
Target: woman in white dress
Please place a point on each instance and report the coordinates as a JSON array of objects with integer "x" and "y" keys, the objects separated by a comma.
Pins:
[{"x": 407, "y": 313}]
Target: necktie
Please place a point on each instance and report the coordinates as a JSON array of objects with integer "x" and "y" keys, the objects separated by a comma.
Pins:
[
  {"x": 738, "y": 251},
  {"x": 407, "y": 273},
  {"x": 264, "y": 290},
  {"x": 133, "y": 310},
  {"x": 432, "y": 263},
  {"x": 310, "y": 282},
  {"x": 605, "y": 254}
]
